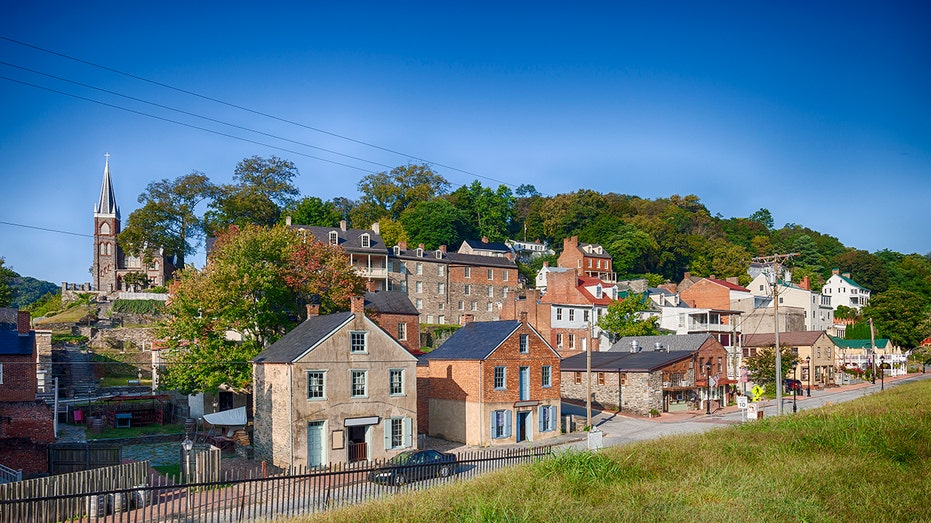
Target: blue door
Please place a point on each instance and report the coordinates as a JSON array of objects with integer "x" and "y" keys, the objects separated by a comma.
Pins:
[
  {"x": 523, "y": 426},
  {"x": 315, "y": 443},
  {"x": 524, "y": 383}
]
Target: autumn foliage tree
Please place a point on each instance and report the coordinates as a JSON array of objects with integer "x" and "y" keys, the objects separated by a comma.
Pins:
[{"x": 249, "y": 295}]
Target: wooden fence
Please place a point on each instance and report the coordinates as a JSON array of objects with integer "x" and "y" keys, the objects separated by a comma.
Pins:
[
  {"x": 242, "y": 499},
  {"x": 73, "y": 457}
]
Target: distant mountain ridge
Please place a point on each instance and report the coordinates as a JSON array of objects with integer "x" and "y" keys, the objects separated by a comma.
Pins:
[{"x": 27, "y": 290}]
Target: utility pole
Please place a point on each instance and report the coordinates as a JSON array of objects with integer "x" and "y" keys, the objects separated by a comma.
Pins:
[
  {"x": 872, "y": 353},
  {"x": 775, "y": 271}
]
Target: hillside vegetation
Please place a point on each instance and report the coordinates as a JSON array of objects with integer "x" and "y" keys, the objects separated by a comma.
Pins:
[{"x": 865, "y": 460}]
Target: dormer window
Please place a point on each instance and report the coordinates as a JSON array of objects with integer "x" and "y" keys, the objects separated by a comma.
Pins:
[
  {"x": 419, "y": 252},
  {"x": 439, "y": 255},
  {"x": 334, "y": 237},
  {"x": 397, "y": 250},
  {"x": 366, "y": 240},
  {"x": 598, "y": 292}
]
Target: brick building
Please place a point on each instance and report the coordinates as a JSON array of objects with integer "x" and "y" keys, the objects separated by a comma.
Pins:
[
  {"x": 394, "y": 312},
  {"x": 588, "y": 259},
  {"x": 336, "y": 389},
  {"x": 26, "y": 423},
  {"x": 491, "y": 383}
]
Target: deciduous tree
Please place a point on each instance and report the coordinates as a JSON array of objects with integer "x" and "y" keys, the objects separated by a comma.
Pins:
[
  {"x": 625, "y": 318},
  {"x": 899, "y": 315},
  {"x": 6, "y": 284},
  {"x": 261, "y": 188},
  {"x": 762, "y": 367}
]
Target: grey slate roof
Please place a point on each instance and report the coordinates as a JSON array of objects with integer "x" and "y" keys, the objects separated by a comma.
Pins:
[
  {"x": 645, "y": 361},
  {"x": 304, "y": 336},
  {"x": 390, "y": 302},
  {"x": 479, "y": 245},
  {"x": 474, "y": 341},
  {"x": 454, "y": 258},
  {"x": 349, "y": 240},
  {"x": 680, "y": 342},
  {"x": 12, "y": 344}
]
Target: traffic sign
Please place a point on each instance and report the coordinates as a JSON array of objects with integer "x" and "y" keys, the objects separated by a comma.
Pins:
[
  {"x": 741, "y": 402},
  {"x": 758, "y": 391},
  {"x": 751, "y": 411}
]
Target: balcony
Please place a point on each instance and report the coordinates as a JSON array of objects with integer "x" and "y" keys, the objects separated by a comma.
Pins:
[{"x": 372, "y": 272}]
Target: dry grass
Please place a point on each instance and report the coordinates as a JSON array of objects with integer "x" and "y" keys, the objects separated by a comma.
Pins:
[{"x": 867, "y": 460}]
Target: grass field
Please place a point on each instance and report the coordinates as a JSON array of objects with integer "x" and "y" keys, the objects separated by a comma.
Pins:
[{"x": 866, "y": 460}]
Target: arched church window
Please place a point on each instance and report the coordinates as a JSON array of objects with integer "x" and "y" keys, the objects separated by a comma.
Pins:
[
  {"x": 104, "y": 228},
  {"x": 103, "y": 248}
]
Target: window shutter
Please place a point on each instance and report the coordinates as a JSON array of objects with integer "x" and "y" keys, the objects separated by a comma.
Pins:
[
  {"x": 541, "y": 427},
  {"x": 492, "y": 425},
  {"x": 386, "y": 427},
  {"x": 507, "y": 424},
  {"x": 408, "y": 432}
]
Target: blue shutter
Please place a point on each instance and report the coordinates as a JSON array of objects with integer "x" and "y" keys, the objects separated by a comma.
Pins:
[
  {"x": 408, "y": 433},
  {"x": 386, "y": 427},
  {"x": 541, "y": 427},
  {"x": 491, "y": 425},
  {"x": 507, "y": 424}
]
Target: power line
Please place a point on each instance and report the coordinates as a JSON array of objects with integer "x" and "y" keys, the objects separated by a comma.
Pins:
[
  {"x": 252, "y": 111},
  {"x": 46, "y": 229}
]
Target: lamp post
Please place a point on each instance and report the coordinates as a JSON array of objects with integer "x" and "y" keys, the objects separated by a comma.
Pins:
[
  {"x": 708, "y": 377},
  {"x": 794, "y": 386},
  {"x": 882, "y": 373},
  {"x": 808, "y": 362},
  {"x": 187, "y": 445}
]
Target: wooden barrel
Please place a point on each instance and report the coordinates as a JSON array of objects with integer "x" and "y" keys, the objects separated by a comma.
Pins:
[{"x": 189, "y": 425}]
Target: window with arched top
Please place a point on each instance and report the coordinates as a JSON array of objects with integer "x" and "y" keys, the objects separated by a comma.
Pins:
[
  {"x": 109, "y": 249},
  {"x": 104, "y": 228},
  {"x": 103, "y": 248},
  {"x": 334, "y": 238}
]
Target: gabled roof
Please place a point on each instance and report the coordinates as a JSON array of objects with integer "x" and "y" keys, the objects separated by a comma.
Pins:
[
  {"x": 646, "y": 361},
  {"x": 729, "y": 285},
  {"x": 454, "y": 258},
  {"x": 676, "y": 343},
  {"x": 881, "y": 343},
  {"x": 474, "y": 341},
  {"x": 479, "y": 245},
  {"x": 390, "y": 302},
  {"x": 590, "y": 250},
  {"x": 851, "y": 282},
  {"x": 801, "y": 338},
  {"x": 302, "y": 338},
  {"x": 349, "y": 240}
]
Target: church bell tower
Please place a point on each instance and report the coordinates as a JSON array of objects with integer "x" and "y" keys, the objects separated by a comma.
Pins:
[{"x": 106, "y": 227}]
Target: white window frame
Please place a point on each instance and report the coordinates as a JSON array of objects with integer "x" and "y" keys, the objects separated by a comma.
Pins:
[
  {"x": 354, "y": 342},
  {"x": 491, "y": 274},
  {"x": 418, "y": 269},
  {"x": 322, "y": 385},
  {"x": 396, "y": 378},
  {"x": 467, "y": 289},
  {"x": 467, "y": 272},
  {"x": 402, "y": 331},
  {"x": 366, "y": 240},
  {"x": 524, "y": 343},
  {"x": 504, "y": 275},
  {"x": 501, "y": 377},
  {"x": 546, "y": 376},
  {"x": 363, "y": 374},
  {"x": 398, "y": 433}
]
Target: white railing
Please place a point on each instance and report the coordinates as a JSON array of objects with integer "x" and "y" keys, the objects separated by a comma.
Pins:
[
  {"x": 372, "y": 272},
  {"x": 8, "y": 475},
  {"x": 143, "y": 296}
]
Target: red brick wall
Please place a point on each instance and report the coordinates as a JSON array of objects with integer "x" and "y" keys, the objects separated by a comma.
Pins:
[
  {"x": 706, "y": 294},
  {"x": 19, "y": 378},
  {"x": 27, "y": 419},
  {"x": 390, "y": 322},
  {"x": 23, "y": 454},
  {"x": 509, "y": 356}
]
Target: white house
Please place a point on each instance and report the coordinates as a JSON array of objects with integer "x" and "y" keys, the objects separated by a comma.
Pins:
[{"x": 819, "y": 315}]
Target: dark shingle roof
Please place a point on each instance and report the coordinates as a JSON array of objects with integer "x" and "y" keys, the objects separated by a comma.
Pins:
[
  {"x": 645, "y": 361},
  {"x": 349, "y": 240},
  {"x": 12, "y": 344},
  {"x": 302, "y": 337},
  {"x": 768, "y": 339},
  {"x": 390, "y": 302},
  {"x": 479, "y": 245},
  {"x": 454, "y": 258},
  {"x": 474, "y": 341},
  {"x": 679, "y": 342}
]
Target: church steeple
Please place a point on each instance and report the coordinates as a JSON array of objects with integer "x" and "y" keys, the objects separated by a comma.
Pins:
[{"x": 106, "y": 204}]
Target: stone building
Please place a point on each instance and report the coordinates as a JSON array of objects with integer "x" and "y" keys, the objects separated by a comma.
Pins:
[
  {"x": 491, "y": 383},
  {"x": 367, "y": 252},
  {"x": 337, "y": 389}
]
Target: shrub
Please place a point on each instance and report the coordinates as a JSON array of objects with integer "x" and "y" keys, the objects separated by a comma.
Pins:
[{"x": 138, "y": 306}]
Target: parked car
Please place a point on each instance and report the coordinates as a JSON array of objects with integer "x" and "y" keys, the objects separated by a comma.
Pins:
[
  {"x": 795, "y": 385},
  {"x": 414, "y": 465}
]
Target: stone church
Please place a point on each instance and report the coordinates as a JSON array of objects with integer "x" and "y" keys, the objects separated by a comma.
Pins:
[{"x": 111, "y": 264}]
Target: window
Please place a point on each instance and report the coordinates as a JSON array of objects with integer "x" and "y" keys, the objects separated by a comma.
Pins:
[
  {"x": 467, "y": 272},
  {"x": 441, "y": 306},
  {"x": 334, "y": 238},
  {"x": 578, "y": 377},
  {"x": 491, "y": 291},
  {"x": 601, "y": 378},
  {"x": 419, "y": 268},
  {"x": 489, "y": 307},
  {"x": 504, "y": 275},
  {"x": 460, "y": 305},
  {"x": 547, "y": 416},
  {"x": 441, "y": 288},
  {"x": 571, "y": 341},
  {"x": 396, "y": 382},
  {"x": 439, "y": 270},
  {"x": 571, "y": 314},
  {"x": 500, "y": 375},
  {"x": 402, "y": 331},
  {"x": 366, "y": 241},
  {"x": 104, "y": 229},
  {"x": 598, "y": 291},
  {"x": 491, "y": 274},
  {"x": 585, "y": 315},
  {"x": 429, "y": 318},
  {"x": 359, "y": 384},
  {"x": 500, "y": 424},
  {"x": 397, "y": 250},
  {"x": 419, "y": 303},
  {"x": 546, "y": 376},
  {"x": 559, "y": 341},
  {"x": 559, "y": 313},
  {"x": 442, "y": 319},
  {"x": 524, "y": 343},
  {"x": 357, "y": 341},
  {"x": 720, "y": 367},
  {"x": 316, "y": 385},
  {"x": 474, "y": 306},
  {"x": 418, "y": 287},
  {"x": 467, "y": 289},
  {"x": 398, "y": 433}
]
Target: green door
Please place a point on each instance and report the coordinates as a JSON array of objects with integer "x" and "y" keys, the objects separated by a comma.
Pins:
[{"x": 315, "y": 443}]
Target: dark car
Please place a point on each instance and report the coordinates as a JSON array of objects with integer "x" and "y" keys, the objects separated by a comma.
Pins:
[
  {"x": 414, "y": 465},
  {"x": 795, "y": 385}
]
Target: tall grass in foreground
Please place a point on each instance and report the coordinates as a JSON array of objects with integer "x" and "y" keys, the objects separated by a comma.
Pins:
[{"x": 866, "y": 460}]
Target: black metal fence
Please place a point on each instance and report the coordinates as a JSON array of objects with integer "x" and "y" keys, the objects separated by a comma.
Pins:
[{"x": 236, "y": 499}]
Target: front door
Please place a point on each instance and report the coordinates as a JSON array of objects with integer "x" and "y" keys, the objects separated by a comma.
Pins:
[
  {"x": 315, "y": 443},
  {"x": 523, "y": 426},
  {"x": 358, "y": 443}
]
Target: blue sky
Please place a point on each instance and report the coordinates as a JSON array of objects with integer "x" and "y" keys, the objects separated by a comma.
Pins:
[{"x": 819, "y": 112}]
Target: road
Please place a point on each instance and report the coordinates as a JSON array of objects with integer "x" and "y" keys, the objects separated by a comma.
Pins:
[{"x": 619, "y": 429}]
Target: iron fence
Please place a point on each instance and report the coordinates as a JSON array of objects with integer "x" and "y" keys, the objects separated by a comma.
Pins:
[{"x": 240, "y": 499}]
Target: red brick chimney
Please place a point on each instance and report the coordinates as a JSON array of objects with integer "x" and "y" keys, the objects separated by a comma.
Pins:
[
  {"x": 733, "y": 280},
  {"x": 402, "y": 245},
  {"x": 805, "y": 283},
  {"x": 22, "y": 322},
  {"x": 370, "y": 286},
  {"x": 313, "y": 309},
  {"x": 442, "y": 248},
  {"x": 357, "y": 304},
  {"x": 484, "y": 239},
  {"x": 523, "y": 317}
]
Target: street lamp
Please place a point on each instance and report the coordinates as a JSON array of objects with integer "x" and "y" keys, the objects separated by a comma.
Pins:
[
  {"x": 187, "y": 445},
  {"x": 794, "y": 385},
  {"x": 708, "y": 377},
  {"x": 808, "y": 361},
  {"x": 882, "y": 373}
]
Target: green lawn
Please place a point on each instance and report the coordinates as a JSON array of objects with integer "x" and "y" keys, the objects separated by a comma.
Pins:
[
  {"x": 131, "y": 432},
  {"x": 866, "y": 460}
]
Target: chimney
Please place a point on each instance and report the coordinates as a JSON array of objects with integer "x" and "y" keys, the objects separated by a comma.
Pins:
[
  {"x": 546, "y": 264},
  {"x": 442, "y": 248},
  {"x": 22, "y": 322},
  {"x": 466, "y": 319},
  {"x": 687, "y": 275},
  {"x": 357, "y": 304},
  {"x": 805, "y": 283},
  {"x": 846, "y": 275},
  {"x": 484, "y": 239},
  {"x": 375, "y": 228},
  {"x": 287, "y": 220},
  {"x": 342, "y": 225},
  {"x": 402, "y": 245},
  {"x": 634, "y": 346},
  {"x": 523, "y": 316},
  {"x": 712, "y": 277},
  {"x": 733, "y": 280},
  {"x": 835, "y": 271},
  {"x": 313, "y": 309}
]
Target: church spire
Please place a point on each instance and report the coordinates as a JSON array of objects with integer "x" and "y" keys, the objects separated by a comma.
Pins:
[{"x": 107, "y": 202}]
